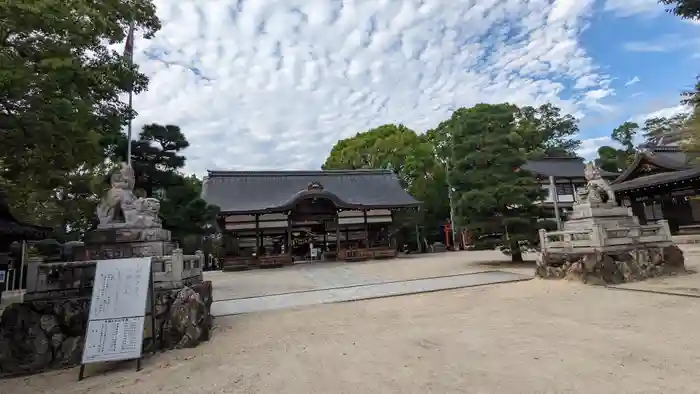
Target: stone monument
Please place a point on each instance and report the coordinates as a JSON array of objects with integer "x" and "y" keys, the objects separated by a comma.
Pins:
[
  {"x": 129, "y": 226},
  {"x": 47, "y": 330},
  {"x": 604, "y": 243}
]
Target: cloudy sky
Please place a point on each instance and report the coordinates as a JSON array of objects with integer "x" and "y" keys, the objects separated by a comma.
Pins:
[{"x": 273, "y": 84}]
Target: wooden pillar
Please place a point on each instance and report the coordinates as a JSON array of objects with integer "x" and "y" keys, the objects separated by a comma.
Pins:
[
  {"x": 337, "y": 236},
  {"x": 364, "y": 214},
  {"x": 258, "y": 239},
  {"x": 289, "y": 235}
]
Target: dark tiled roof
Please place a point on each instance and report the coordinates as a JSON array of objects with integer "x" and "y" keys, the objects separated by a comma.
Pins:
[
  {"x": 260, "y": 191},
  {"x": 667, "y": 160},
  {"x": 560, "y": 167},
  {"x": 13, "y": 228},
  {"x": 23, "y": 231},
  {"x": 657, "y": 179}
]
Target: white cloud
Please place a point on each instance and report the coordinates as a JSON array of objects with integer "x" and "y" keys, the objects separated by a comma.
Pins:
[
  {"x": 589, "y": 146},
  {"x": 665, "y": 112},
  {"x": 275, "y": 83},
  {"x": 632, "y": 81},
  {"x": 626, "y": 8}
]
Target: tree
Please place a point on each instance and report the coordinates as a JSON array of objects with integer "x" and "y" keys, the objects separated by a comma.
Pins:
[
  {"x": 546, "y": 132},
  {"x": 156, "y": 156},
  {"x": 661, "y": 130},
  {"x": 184, "y": 212},
  {"x": 686, "y": 9},
  {"x": 157, "y": 160},
  {"x": 625, "y": 134},
  {"x": 492, "y": 196},
  {"x": 411, "y": 157},
  {"x": 59, "y": 89}
]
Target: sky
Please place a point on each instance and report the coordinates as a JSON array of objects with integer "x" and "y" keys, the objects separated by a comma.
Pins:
[{"x": 274, "y": 84}]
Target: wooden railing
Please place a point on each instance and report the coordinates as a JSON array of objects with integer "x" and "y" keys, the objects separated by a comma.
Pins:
[
  {"x": 232, "y": 263},
  {"x": 385, "y": 252},
  {"x": 598, "y": 238}
]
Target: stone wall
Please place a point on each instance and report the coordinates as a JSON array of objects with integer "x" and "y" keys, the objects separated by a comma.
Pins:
[
  {"x": 613, "y": 267},
  {"x": 47, "y": 334}
]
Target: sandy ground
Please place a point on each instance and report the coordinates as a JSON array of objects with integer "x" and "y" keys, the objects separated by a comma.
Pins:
[
  {"x": 528, "y": 337},
  {"x": 331, "y": 274}
]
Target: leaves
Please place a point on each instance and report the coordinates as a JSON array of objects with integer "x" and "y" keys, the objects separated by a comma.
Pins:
[
  {"x": 411, "y": 157},
  {"x": 60, "y": 87},
  {"x": 686, "y": 9},
  {"x": 492, "y": 196}
]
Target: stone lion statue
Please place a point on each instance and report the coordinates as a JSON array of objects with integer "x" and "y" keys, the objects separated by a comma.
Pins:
[
  {"x": 597, "y": 190},
  {"x": 120, "y": 208}
]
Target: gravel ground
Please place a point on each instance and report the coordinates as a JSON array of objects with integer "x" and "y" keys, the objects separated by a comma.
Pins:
[{"x": 528, "y": 337}]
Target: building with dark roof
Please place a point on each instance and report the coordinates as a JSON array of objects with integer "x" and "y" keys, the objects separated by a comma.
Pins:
[
  {"x": 273, "y": 217},
  {"x": 567, "y": 173},
  {"x": 662, "y": 183},
  {"x": 13, "y": 230}
]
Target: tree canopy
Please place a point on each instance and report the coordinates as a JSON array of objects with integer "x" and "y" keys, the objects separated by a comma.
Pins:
[
  {"x": 686, "y": 9},
  {"x": 492, "y": 195},
  {"x": 59, "y": 91}
]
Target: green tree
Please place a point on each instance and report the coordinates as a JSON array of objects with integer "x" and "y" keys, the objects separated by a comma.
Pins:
[
  {"x": 665, "y": 130},
  {"x": 491, "y": 195},
  {"x": 184, "y": 212},
  {"x": 156, "y": 156},
  {"x": 625, "y": 134},
  {"x": 59, "y": 89},
  {"x": 686, "y": 9},
  {"x": 547, "y": 132},
  {"x": 411, "y": 157},
  {"x": 158, "y": 161}
]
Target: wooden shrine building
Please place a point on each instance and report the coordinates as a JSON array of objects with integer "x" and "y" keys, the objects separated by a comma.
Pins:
[
  {"x": 13, "y": 230},
  {"x": 662, "y": 183},
  {"x": 277, "y": 217}
]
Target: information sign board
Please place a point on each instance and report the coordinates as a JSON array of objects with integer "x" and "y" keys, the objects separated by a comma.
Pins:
[{"x": 117, "y": 310}]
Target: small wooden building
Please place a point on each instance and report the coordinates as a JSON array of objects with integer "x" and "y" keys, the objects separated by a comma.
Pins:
[
  {"x": 277, "y": 217},
  {"x": 662, "y": 183},
  {"x": 568, "y": 176},
  {"x": 13, "y": 230}
]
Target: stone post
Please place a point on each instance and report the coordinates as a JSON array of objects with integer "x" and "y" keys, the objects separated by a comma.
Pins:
[
  {"x": 543, "y": 240},
  {"x": 33, "y": 276},
  {"x": 178, "y": 264},
  {"x": 666, "y": 230},
  {"x": 597, "y": 236}
]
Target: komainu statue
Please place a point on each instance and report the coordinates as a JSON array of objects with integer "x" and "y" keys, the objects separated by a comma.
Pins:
[
  {"x": 120, "y": 208},
  {"x": 597, "y": 190}
]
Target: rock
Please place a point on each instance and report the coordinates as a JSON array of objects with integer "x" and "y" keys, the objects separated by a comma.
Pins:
[
  {"x": 189, "y": 321},
  {"x": 615, "y": 267},
  {"x": 72, "y": 351},
  {"x": 673, "y": 257},
  {"x": 24, "y": 346}
]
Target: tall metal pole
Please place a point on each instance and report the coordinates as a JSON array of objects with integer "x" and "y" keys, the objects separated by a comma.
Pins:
[
  {"x": 128, "y": 128},
  {"x": 555, "y": 199},
  {"x": 452, "y": 207}
]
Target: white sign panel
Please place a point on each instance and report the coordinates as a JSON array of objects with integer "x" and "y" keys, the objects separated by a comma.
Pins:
[
  {"x": 117, "y": 310},
  {"x": 120, "y": 289},
  {"x": 113, "y": 339}
]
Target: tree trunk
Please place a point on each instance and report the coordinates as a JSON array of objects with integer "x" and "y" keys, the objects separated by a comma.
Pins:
[{"x": 516, "y": 255}]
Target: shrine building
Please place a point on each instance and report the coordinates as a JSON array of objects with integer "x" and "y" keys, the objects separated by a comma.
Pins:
[{"x": 278, "y": 217}]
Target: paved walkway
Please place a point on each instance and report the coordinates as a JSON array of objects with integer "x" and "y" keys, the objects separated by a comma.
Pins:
[{"x": 361, "y": 292}]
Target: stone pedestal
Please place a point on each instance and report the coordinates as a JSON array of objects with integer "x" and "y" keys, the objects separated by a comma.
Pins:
[
  {"x": 605, "y": 215},
  {"x": 603, "y": 243},
  {"x": 117, "y": 243}
]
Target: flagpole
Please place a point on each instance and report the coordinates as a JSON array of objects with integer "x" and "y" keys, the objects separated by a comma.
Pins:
[
  {"x": 129, "y": 54},
  {"x": 128, "y": 129}
]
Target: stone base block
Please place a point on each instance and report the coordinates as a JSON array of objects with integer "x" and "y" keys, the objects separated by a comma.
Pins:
[
  {"x": 43, "y": 335},
  {"x": 613, "y": 267},
  {"x": 124, "y": 250},
  {"x": 121, "y": 235}
]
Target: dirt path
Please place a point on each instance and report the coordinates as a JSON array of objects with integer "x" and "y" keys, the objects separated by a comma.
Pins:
[{"x": 528, "y": 337}]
